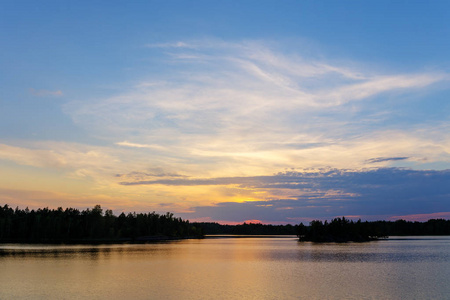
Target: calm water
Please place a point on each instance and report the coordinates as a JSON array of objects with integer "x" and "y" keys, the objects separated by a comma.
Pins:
[{"x": 229, "y": 268}]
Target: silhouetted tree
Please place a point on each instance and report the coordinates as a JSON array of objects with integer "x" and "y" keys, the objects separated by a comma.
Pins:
[{"x": 90, "y": 225}]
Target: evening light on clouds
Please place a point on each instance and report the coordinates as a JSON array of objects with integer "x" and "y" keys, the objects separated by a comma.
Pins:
[{"x": 227, "y": 111}]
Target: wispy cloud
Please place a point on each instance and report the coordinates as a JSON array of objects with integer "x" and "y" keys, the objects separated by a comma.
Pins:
[
  {"x": 45, "y": 93},
  {"x": 55, "y": 155},
  {"x": 384, "y": 159},
  {"x": 171, "y": 45},
  {"x": 139, "y": 176},
  {"x": 377, "y": 85},
  {"x": 248, "y": 108},
  {"x": 136, "y": 145}
]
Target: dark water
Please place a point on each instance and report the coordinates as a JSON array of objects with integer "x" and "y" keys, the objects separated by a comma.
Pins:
[{"x": 229, "y": 268}]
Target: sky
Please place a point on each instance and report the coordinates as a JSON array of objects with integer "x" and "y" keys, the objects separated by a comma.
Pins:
[{"x": 227, "y": 111}]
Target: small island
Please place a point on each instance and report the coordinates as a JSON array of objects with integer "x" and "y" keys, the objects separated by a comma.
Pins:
[{"x": 340, "y": 230}]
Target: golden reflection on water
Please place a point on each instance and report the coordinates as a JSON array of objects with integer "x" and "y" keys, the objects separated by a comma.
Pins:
[{"x": 228, "y": 268}]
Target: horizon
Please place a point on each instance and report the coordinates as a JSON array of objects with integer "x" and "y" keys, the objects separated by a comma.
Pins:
[
  {"x": 228, "y": 112},
  {"x": 421, "y": 218}
]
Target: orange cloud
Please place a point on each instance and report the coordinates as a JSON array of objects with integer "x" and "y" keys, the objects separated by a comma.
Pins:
[{"x": 423, "y": 217}]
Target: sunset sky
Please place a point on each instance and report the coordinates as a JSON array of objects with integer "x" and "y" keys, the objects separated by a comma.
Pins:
[{"x": 227, "y": 111}]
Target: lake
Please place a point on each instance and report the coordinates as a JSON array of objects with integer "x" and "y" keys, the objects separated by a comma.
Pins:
[{"x": 229, "y": 268}]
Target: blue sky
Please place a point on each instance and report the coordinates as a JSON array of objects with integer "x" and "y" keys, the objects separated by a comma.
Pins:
[{"x": 204, "y": 108}]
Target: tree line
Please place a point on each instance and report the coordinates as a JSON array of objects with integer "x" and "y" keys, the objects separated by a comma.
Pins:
[
  {"x": 71, "y": 225},
  {"x": 68, "y": 225},
  {"x": 247, "y": 229},
  {"x": 337, "y": 230}
]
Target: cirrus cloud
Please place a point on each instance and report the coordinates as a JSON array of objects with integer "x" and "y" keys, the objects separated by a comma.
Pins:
[
  {"x": 251, "y": 106},
  {"x": 45, "y": 93}
]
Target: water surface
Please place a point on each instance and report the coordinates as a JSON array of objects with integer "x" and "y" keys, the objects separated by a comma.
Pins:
[{"x": 229, "y": 268}]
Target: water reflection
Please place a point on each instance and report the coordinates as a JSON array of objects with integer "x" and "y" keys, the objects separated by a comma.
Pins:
[
  {"x": 243, "y": 249},
  {"x": 367, "y": 253},
  {"x": 74, "y": 251}
]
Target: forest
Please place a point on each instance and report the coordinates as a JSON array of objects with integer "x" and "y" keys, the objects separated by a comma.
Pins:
[{"x": 94, "y": 225}]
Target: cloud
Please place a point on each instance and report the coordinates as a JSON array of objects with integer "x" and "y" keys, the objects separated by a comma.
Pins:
[
  {"x": 34, "y": 199},
  {"x": 423, "y": 217},
  {"x": 45, "y": 93},
  {"x": 38, "y": 199},
  {"x": 388, "y": 193},
  {"x": 171, "y": 45},
  {"x": 151, "y": 173},
  {"x": 290, "y": 196},
  {"x": 136, "y": 145},
  {"x": 378, "y": 85},
  {"x": 384, "y": 159},
  {"x": 252, "y": 107},
  {"x": 210, "y": 121},
  {"x": 55, "y": 155},
  {"x": 329, "y": 193},
  {"x": 91, "y": 166}
]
